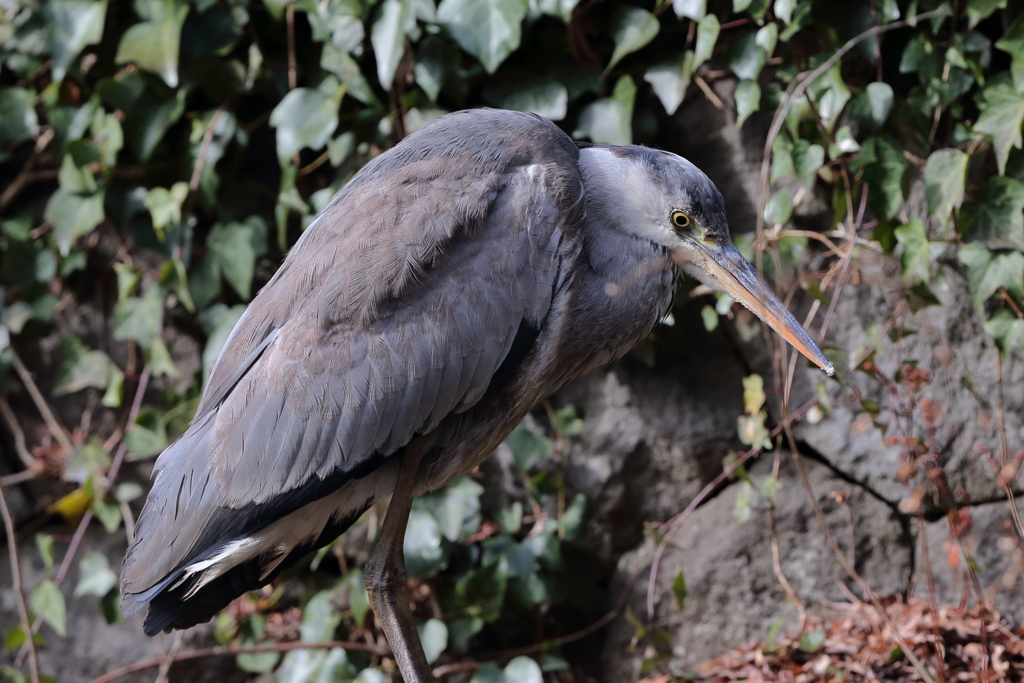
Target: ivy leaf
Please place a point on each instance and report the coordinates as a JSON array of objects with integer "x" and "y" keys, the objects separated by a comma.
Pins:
[
  {"x": 490, "y": 30},
  {"x": 917, "y": 257},
  {"x": 748, "y": 100},
  {"x": 388, "y": 39},
  {"x": 987, "y": 272},
  {"x": 1002, "y": 113},
  {"x": 147, "y": 437},
  {"x": 670, "y": 79},
  {"x": 807, "y": 159},
  {"x": 632, "y": 29},
  {"x": 140, "y": 318},
  {"x": 998, "y": 221},
  {"x": 609, "y": 120},
  {"x": 72, "y": 216},
  {"x": 235, "y": 247},
  {"x": 423, "y": 551},
  {"x": 546, "y": 97},
  {"x": 73, "y": 25},
  {"x": 691, "y": 9},
  {"x": 748, "y": 57},
  {"x": 1007, "y": 330},
  {"x": 886, "y": 177},
  {"x": 523, "y": 670},
  {"x": 981, "y": 9},
  {"x": 165, "y": 205},
  {"x": 707, "y": 35},
  {"x": 44, "y": 544},
  {"x": 80, "y": 367},
  {"x": 154, "y": 44},
  {"x": 47, "y": 602},
  {"x": 488, "y": 673},
  {"x": 304, "y": 118},
  {"x": 95, "y": 577},
  {"x": 779, "y": 208},
  {"x": 434, "y": 638},
  {"x": 880, "y": 100},
  {"x": 784, "y": 10},
  {"x": 18, "y": 119},
  {"x": 945, "y": 175},
  {"x": 1013, "y": 43},
  {"x": 528, "y": 448},
  {"x": 434, "y": 55}
]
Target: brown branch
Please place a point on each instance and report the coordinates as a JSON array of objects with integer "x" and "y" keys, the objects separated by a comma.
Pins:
[
  {"x": 20, "y": 444},
  {"x": 224, "y": 651},
  {"x": 24, "y": 176},
  {"x": 292, "y": 69},
  {"x": 19, "y": 594},
  {"x": 1004, "y": 452},
  {"x": 57, "y": 430},
  {"x": 165, "y": 668}
]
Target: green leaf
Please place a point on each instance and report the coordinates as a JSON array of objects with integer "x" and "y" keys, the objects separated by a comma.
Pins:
[
  {"x": 770, "y": 488},
  {"x": 679, "y": 591},
  {"x": 523, "y": 670},
  {"x": 88, "y": 461},
  {"x": 886, "y": 177},
  {"x": 528, "y": 449},
  {"x": 747, "y": 57},
  {"x": 304, "y": 118},
  {"x": 707, "y": 36},
  {"x": 18, "y": 119},
  {"x": 709, "y": 316},
  {"x": 435, "y": 56},
  {"x": 916, "y": 257},
  {"x": 388, "y": 39},
  {"x": 456, "y": 508},
  {"x": 165, "y": 205},
  {"x": 44, "y": 544},
  {"x": 140, "y": 318},
  {"x": 546, "y": 97},
  {"x": 490, "y": 30},
  {"x": 691, "y": 9},
  {"x": 981, "y": 9},
  {"x": 784, "y": 10},
  {"x": 945, "y": 175},
  {"x": 358, "y": 598},
  {"x": 998, "y": 221},
  {"x": 234, "y": 247},
  {"x": 80, "y": 367},
  {"x": 748, "y": 100},
  {"x": 154, "y": 44},
  {"x": 571, "y": 522},
  {"x": 1007, "y": 330},
  {"x": 609, "y": 120},
  {"x": 1002, "y": 113},
  {"x": 807, "y": 159},
  {"x": 671, "y": 78},
  {"x": 880, "y": 99},
  {"x": 319, "y": 618},
  {"x": 95, "y": 577},
  {"x": 72, "y": 216},
  {"x": 1013, "y": 43},
  {"x": 779, "y": 208},
  {"x": 73, "y": 25},
  {"x": 632, "y": 29},
  {"x": 753, "y": 394},
  {"x": 160, "y": 361},
  {"x": 423, "y": 552},
  {"x": 147, "y": 437},
  {"x": 46, "y": 601},
  {"x": 108, "y": 513},
  {"x": 434, "y": 638},
  {"x": 812, "y": 640}
]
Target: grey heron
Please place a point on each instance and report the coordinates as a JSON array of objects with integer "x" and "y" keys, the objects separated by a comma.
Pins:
[{"x": 454, "y": 283}]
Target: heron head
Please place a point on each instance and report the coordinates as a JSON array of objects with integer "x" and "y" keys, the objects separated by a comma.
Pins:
[{"x": 666, "y": 199}]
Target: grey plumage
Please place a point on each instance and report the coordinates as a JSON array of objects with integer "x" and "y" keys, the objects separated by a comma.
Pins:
[{"x": 456, "y": 281}]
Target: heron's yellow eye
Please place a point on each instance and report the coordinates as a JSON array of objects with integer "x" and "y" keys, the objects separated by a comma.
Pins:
[{"x": 680, "y": 219}]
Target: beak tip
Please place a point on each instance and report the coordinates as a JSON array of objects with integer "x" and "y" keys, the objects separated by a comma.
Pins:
[{"x": 827, "y": 367}]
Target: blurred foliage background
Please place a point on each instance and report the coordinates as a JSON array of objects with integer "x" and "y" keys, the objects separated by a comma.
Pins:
[{"x": 158, "y": 157}]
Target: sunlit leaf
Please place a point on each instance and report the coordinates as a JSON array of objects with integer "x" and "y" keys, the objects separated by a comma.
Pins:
[
  {"x": 73, "y": 25},
  {"x": 80, "y": 367},
  {"x": 154, "y": 44},
  {"x": 44, "y": 544},
  {"x": 916, "y": 257},
  {"x": 691, "y": 9},
  {"x": 95, "y": 577},
  {"x": 388, "y": 39},
  {"x": 981, "y": 9},
  {"x": 73, "y": 216},
  {"x": 423, "y": 552},
  {"x": 490, "y": 30},
  {"x": 523, "y": 670},
  {"x": 707, "y": 35},
  {"x": 880, "y": 99},
  {"x": 998, "y": 221},
  {"x": 304, "y": 118},
  {"x": 434, "y": 638},
  {"x": 140, "y": 318},
  {"x": 670, "y": 79},
  {"x": 679, "y": 591},
  {"x": 546, "y": 97},
  {"x": 46, "y": 601},
  {"x": 1001, "y": 116},
  {"x": 632, "y": 29},
  {"x": 1013, "y": 43},
  {"x": 1007, "y": 330}
]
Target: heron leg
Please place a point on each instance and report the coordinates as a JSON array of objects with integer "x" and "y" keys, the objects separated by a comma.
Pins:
[{"x": 386, "y": 578}]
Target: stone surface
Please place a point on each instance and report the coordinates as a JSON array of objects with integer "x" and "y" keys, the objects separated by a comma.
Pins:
[
  {"x": 733, "y": 593},
  {"x": 991, "y": 544}
]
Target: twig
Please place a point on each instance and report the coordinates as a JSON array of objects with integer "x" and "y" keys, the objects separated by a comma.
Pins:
[
  {"x": 165, "y": 668},
  {"x": 776, "y": 559},
  {"x": 11, "y": 422},
  {"x": 1004, "y": 451},
  {"x": 225, "y": 651},
  {"x": 290, "y": 20},
  {"x": 792, "y": 96},
  {"x": 56, "y": 429},
  {"x": 19, "y": 594},
  {"x": 709, "y": 93},
  {"x": 23, "y": 178}
]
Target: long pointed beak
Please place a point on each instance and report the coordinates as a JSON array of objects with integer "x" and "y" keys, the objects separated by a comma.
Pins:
[{"x": 743, "y": 283}]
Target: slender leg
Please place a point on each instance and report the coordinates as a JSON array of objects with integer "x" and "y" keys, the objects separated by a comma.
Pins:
[{"x": 386, "y": 578}]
